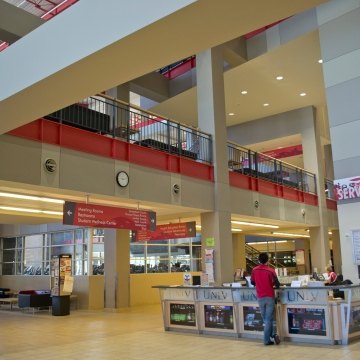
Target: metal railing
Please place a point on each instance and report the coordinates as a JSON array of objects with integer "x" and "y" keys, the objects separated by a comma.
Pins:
[
  {"x": 112, "y": 117},
  {"x": 261, "y": 166},
  {"x": 109, "y": 116}
]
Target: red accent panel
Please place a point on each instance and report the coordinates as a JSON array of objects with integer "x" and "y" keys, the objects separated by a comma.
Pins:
[
  {"x": 268, "y": 188},
  {"x": 331, "y": 204}
]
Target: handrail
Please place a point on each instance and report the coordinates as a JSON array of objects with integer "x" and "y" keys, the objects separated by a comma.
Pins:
[
  {"x": 249, "y": 162},
  {"x": 150, "y": 113},
  {"x": 110, "y": 116}
]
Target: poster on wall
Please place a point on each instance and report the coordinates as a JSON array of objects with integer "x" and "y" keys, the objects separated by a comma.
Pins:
[
  {"x": 209, "y": 264},
  {"x": 356, "y": 246},
  {"x": 300, "y": 257},
  {"x": 306, "y": 321}
]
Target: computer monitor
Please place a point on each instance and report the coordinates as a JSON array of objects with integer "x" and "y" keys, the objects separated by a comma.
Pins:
[{"x": 196, "y": 280}]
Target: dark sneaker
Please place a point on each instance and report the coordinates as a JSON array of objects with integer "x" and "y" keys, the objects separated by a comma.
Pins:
[
  {"x": 269, "y": 343},
  {"x": 277, "y": 339}
]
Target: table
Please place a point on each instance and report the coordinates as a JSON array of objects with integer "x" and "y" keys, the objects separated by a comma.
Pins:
[{"x": 10, "y": 300}]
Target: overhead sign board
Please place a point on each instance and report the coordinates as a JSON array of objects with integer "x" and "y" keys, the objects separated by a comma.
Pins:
[
  {"x": 108, "y": 217},
  {"x": 348, "y": 188},
  {"x": 168, "y": 231}
]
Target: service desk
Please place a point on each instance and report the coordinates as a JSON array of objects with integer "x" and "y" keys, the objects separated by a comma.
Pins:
[{"x": 303, "y": 314}]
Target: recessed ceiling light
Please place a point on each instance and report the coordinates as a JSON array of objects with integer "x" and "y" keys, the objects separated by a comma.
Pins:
[
  {"x": 279, "y": 77},
  {"x": 234, "y": 230},
  {"x": 302, "y": 94},
  {"x": 320, "y": 61},
  {"x": 231, "y": 114},
  {"x": 244, "y": 92},
  {"x": 266, "y": 104}
]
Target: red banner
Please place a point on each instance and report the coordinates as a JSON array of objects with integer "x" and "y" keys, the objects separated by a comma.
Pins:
[
  {"x": 168, "y": 231},
  {"x": 108, "y": 217},
  {"x": 285, "y": 152}
]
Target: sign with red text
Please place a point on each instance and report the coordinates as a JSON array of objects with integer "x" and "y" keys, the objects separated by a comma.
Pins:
[
  {"x": 168, "y": 231},
  {"x": 108, "y": 217},
  {"x": 348, "y": 188}
]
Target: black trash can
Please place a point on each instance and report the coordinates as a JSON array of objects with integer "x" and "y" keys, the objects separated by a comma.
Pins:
[{"x": 61, "y": 305}]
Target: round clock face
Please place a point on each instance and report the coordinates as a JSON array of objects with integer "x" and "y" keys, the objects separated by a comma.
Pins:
[{"x": 122, "y": 178}]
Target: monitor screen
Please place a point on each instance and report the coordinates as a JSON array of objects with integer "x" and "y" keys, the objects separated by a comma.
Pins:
[
  {"x": 219, "y": 316},
  {"x": 182, "y": 314},
  {"x": 306, "y": 321},
  {"x": 252, "y": 318}
]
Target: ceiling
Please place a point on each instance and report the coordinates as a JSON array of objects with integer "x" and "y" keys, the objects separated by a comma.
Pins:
[{"x": 296, "y": 61}]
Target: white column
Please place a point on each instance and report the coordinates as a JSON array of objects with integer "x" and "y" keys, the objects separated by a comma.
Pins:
[
  {"x": 117, "y": 268},
  {"x": 211, "y": 119},
  {"x": 313, "y": 162}
]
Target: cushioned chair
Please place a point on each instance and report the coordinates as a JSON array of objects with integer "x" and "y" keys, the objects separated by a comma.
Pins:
[{"x": 34, "y": 299}]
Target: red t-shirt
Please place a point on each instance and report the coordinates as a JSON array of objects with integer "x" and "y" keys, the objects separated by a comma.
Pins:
[{"x": 264, "y": 278}]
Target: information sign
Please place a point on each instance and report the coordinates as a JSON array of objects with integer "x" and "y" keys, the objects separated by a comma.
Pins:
[{"x": 108, "y": 217}]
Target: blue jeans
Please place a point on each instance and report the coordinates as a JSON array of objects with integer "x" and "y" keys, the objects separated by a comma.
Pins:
[{"x": 267, "y": 306}]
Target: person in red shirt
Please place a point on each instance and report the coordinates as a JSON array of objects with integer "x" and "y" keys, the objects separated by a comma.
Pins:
[
  {"x": 264, "y": 278},
  {"x": 332, "y": 276}
]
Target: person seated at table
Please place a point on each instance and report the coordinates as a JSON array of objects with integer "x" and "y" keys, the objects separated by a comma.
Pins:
[{"x": 332, "y": 276}]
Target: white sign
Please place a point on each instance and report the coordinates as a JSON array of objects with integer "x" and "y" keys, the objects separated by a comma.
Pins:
[
  {"x": 356, "y": 246},
  {"x": 348, "y": 188}
]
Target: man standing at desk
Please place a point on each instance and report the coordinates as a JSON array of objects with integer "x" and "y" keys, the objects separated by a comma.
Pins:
[{"x": 264, "y": 278}]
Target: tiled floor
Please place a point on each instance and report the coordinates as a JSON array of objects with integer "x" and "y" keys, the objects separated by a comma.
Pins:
[{"x": 135, "y": 334}]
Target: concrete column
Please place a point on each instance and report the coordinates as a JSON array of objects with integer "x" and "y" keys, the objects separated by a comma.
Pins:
[
  {"x": 304, "y": 244},
  {"x": 120, "y": 118},
  {"x": 336, "y": 248},
  {"x": 211, "y": 119},
  {"x": 313, "y": 162},
  {"x": 239, "y": 254},
  {"x": 116, "y": 268},
  {"x": 316, "y": 248},
  {"x": 340, "y": 49}
]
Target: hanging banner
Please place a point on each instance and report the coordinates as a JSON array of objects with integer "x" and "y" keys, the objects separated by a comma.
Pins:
[
  {"x": 108, "y": 217},
  {"x": 167, "y": 231},
  {"x": 348, "y": 188}
]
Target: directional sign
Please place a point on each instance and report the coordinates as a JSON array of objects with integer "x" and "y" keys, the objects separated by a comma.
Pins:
[
  {"x": 168, "y": 231},
  {"x": 108, "y": 217}
]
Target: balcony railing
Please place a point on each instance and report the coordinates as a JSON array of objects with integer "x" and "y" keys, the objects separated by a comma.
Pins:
[
  {"x": 261, "y": 166},
  {"x": 115, "y": 118},
  {"x": 112, "y": 117}
]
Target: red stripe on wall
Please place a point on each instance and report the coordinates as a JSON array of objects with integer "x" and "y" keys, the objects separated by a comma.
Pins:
[
  {"x": 272, "y": 189},
  {"x": 81, "y": 140}
]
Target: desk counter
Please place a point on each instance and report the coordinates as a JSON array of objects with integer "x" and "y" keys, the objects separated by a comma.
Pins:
[{"x": 303, "y": 314}]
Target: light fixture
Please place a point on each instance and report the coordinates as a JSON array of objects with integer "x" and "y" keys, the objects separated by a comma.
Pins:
[
  {"x": 33, "y": 211},
  {"x": 253, "y": 224},
  {"x": 266, "y": 104},
  {"x": 320, "y": 61},
  {"x": 244, "y": 92},
  {"x": 288, "y": 234},
  {"x": 330, "y": 232},
  {"x": 30, "y": 197},
  {"x": 235, "y": 230},
  {"x": 198, "y": 227},
  {"x": 279, "y": 77},
  {"x": 302, "y": 94},
  {"x": 266, "y": 242},
  {"x": 231, "y": 114}
]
